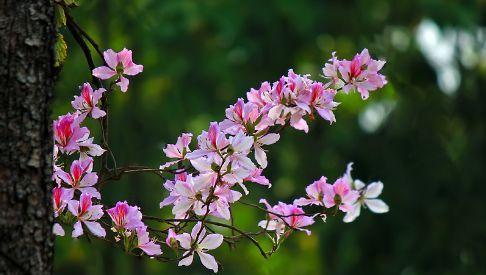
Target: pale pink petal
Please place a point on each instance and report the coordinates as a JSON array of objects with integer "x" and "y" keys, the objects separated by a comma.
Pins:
[
  {"x": 103, "y": 72},
  {"x": 261, "y": 157},
  {"x": 77, "y": 230},
  {"x": 89, "y": 179},
  {"x": 181, "y": 207},
  {"x": 97, "y": 113},
  {"x": 208, "y": 261},
  {"x": 353, "y": 213},
  {"x": 58, "y": 230},
  {"x": 185, "y": 240},
  {"x": 269, "y": 139},
  {"x": 96, "y": 229},
  {"x": 151, "y": 248},
  {"x": 211, "y": 241},
  {"x": 123, "y": 83},
  {"x": 111, "y": 58},
  {"x": 91, "y": 191},
  {"x": 133, "y": 69}
]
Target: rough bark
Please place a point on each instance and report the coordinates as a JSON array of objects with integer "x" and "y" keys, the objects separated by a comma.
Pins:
[{"x": 27, "y": 35}]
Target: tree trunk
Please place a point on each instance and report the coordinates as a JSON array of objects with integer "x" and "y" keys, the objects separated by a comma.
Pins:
[{"x": 27, "y": 35}]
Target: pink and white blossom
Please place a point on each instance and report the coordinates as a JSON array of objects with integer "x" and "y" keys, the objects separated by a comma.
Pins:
[
  {"x": 210, "y": 143},
  {"x": 86, "y": 213},
  {"x": 180, "y": 149},
  {"x": 368, "y": 196},
  {"x": 245, "y": 117},
  {"x": 200, "y": 243},
  {"x": 60, "y": 199},
  {"x": 125, "y": 217},
  {"x": 191, "y": 196},
  {"x": 362, "y": 74},
  {"x": 315, "y": 193},
  {"x": 119, "y": 64},
  {"x": 87, "y": 102},
  {"x": 80, "y": 177},
  {"x": 283, "y": 215},
  {"x": 68, "y": 134},
  {"x": 340, "y": 194}
]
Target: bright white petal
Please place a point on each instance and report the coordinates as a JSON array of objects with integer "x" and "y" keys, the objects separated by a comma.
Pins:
[
  {"x": 377, "y": 206},
  {"x": 374, "y": 190}
]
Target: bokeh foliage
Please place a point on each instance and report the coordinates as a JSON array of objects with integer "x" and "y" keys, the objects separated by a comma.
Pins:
[{"x": 200, "y": 56}]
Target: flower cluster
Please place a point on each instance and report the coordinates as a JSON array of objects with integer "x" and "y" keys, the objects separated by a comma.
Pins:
[
  {"x": 211, "y": 176},
  {"x": 70, "y": 139},
  {"x": 222, "y": 159}
]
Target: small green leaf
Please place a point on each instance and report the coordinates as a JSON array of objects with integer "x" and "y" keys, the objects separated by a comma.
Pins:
[
  {"x": 60, "y": 17},
  {"x": 60, "y": 49}
]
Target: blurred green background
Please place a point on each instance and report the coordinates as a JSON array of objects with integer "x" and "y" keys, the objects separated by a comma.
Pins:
[{"x": 423, "y": 135}]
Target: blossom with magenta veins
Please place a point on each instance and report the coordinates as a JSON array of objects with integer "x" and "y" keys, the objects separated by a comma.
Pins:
[
  {"x": 80, "y": 177},
  {"x": 68, "y": 134},
  {"x": 86, "y": 213},
  {"x": 87, "y": 102},
  {"x": 125, "y": 216},
  {"x": 362, "y": 74}
]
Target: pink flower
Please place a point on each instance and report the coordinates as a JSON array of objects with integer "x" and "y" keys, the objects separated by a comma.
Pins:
[
  {"x": 323, "y": 101},
  {"x": 261, "y": 97},
  {"x": 200, "y": 243},
  {"x": 368, "y": 196},
  {"x": 125, "y": 216},
  {"x": 171, "y": 239},
  {"x": 315, "y": 193},
  {"x": 180, "y": 149},
  {"x": 68, "y": 134},
  {"x": 210, "y": 142},
  {"x": 60, "y": 199},
  {"x": 284, "y": 214},
  {"x": 331, "y": 72},
  {"x": 191, "y": 195},
  {"x": 219, "y": 207},
  {"x": 87, "y": 102},
  {"x": 340, "y": 194},
  {"x": 119, "y": 64},
  {"x": 86, "y": 213},
  {"x": 148, "y": 246},
  {"x": 169, "y": 186},
  {"x": 362, "y": 74},
  {"x": 244, "y": 117},
  {"x": 80, "y": 177}
]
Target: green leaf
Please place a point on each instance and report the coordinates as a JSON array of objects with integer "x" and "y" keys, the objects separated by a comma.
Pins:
[
  {"x": 60, "y": 49},
  {"x": 60, "y": 17}
]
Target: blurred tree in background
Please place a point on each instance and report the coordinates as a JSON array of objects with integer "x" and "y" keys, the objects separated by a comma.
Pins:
[{"x": 423, "y": 135}]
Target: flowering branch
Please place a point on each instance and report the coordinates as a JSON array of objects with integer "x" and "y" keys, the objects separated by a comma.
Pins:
[{"x": 205, "y": 181}]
